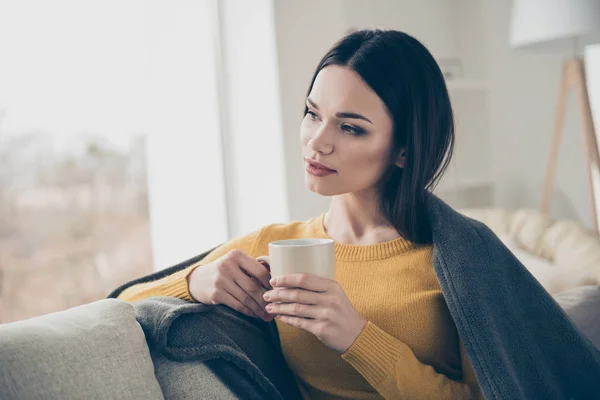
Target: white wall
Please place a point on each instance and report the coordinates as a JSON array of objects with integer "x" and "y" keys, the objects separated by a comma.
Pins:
[
  {"x": 185, "y": 189},
  {"x": 251, "y": 116},
  {"x": 523, "y": 93},
  {"x": 216, "y": 169},
  {"x": 592, "y": 56},
  {"x": 427, "y": 20},
  {"x": 592, "y": 61}
]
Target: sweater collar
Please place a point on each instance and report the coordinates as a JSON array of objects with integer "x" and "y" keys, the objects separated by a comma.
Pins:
[{"x": 350, "y": 252}]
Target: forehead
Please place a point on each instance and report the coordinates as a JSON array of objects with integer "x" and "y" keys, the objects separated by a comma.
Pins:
[{"x": 339, "y": 89}]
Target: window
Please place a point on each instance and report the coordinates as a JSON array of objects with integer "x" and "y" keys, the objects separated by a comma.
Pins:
[{"x": 110, "y": 152}]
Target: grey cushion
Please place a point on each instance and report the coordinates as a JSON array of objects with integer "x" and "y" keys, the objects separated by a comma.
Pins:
[
  {"x": 582, "y": 304},
  {"x": 189, "y": 380},
  {"x": 94, "y": 351}
]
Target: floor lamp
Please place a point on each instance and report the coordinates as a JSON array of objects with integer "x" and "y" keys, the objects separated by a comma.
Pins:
[{"x": 555, "y": 25}]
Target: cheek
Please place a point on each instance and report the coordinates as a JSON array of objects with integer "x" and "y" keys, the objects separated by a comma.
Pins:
[{"x": 368, "y": 164}]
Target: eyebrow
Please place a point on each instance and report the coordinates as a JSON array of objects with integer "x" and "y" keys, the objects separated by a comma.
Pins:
[{"x": 341, "y": 114}]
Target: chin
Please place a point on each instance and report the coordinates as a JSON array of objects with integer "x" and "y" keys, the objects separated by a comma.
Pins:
[{"x": 319, "y": 187}]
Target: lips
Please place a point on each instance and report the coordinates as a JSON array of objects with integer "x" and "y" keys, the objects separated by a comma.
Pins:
[
  {"x": 318, "y": 165},
  {"x": 317, "y": 169}
]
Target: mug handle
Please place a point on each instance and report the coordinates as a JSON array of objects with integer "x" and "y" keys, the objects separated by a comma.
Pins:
[{"x": 266, "y": 261}]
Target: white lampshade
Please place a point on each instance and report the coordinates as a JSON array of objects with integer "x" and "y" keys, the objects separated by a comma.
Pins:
[{"x": 555, "y": 23}]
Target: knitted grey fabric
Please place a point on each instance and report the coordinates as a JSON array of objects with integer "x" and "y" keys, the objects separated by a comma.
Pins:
[
  {"x": 243, "y": 352},
  {"x": 519, "y": 340}
]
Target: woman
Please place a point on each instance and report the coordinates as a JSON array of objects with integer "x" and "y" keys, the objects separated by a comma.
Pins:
[{"x": 377, "y": 133}]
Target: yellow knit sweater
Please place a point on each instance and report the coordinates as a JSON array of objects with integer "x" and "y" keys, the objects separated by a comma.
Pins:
[{"x": 409, "y": 349}]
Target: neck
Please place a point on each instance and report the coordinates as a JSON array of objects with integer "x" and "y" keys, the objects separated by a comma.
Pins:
[{"x": 357, "y": 219}]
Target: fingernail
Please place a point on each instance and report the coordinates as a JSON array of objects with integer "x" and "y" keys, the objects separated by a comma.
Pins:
[
  {"x": 267, "y": 296},
  {"x": 272, "y": 281},
  {"x": 269, "y": 307}
]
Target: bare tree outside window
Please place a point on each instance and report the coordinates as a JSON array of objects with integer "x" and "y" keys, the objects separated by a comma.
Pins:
[{"x": 73, "y": 224}]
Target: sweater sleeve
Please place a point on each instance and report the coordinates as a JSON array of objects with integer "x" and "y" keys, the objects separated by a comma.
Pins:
[
  {"x": 176, "y": 284},
  {"x": 393, "y": 370}
]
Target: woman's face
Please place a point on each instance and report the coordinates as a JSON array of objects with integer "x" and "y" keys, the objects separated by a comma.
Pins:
[{"x": 347, "y": 129}]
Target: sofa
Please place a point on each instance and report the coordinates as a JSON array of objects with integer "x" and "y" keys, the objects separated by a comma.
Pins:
[
  {"x": 100, "y": 350},
  {"x": 95, "y": 351}
]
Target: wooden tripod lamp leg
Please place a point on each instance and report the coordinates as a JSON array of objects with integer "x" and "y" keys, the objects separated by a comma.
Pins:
[
  {"x": 573, "y": 75},
  {"x": 559, "y": 119}
]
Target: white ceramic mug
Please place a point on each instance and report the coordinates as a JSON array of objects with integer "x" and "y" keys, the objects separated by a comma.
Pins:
[{"x": 301, "y": 256}]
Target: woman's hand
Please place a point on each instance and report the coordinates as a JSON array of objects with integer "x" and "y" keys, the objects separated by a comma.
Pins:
[
  {"x": 235, "y": 280},
  {"x": 317, "y": 305}
]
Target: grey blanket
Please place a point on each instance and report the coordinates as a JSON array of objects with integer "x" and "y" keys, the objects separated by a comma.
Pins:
[
  {"x": 243, "y": 352},
  {"x": 520, "y": 342}
]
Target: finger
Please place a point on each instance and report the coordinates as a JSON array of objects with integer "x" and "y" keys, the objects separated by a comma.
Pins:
[
  {"x": 232, "y": 302},
  {"x": 245, "y": 298},
  {"x": 254, "y": 268},
  {"x": 293, "y": 295},
  {"x": 309, "y": 325},
  {"x": 265, "y": 264},
  {"x": 296, "y": 310},
  {"x": 251, "y": 287},
  {"x": 303, "y": 281}
]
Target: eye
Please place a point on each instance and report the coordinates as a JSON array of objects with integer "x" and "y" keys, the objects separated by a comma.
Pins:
[
  {"x": 312, "y": 115},
  {"x": 353, "y": 130}
]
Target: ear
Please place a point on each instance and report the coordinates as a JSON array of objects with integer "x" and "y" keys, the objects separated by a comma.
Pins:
[{"x": 401, "y": 160}]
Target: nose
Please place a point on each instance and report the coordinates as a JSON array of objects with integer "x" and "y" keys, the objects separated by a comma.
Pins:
[{"x": 321, "y": 142}]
